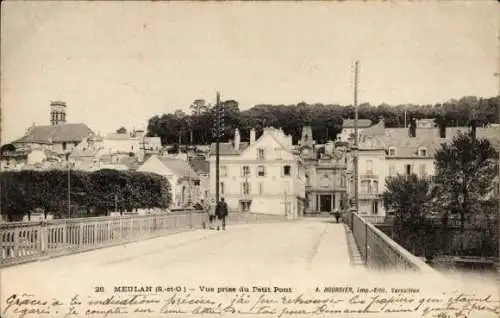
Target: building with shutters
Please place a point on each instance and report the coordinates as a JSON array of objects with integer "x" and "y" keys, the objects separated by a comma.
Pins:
[
  {"x": 263, "y": 175},
  {"x": 387, "y": 152}
]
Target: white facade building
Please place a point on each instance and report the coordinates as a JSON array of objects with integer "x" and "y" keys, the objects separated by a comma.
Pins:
[
  {"x": 386, "y": 152},
  {"x": 261, "y": 176}
]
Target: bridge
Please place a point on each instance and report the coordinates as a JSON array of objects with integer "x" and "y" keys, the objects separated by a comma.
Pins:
[{"x": 65, "y": 258}]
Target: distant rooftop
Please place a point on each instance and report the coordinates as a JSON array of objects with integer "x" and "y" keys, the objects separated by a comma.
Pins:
[
  {"x": 48, "y": 134},
  {"x": 362, "y": 123}
]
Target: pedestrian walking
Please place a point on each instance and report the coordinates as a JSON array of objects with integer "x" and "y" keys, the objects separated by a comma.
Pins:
[
  {"x": 337, "y": 215},
  {"x": 221, "y": 211},
  {"x": 211, "y": 214}
]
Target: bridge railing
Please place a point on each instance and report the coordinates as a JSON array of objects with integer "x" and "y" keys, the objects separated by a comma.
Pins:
[
  {"x": 22, "y": 242},
  {"x": 27, "y": 241},
  {"x": 379, "y": 251}
]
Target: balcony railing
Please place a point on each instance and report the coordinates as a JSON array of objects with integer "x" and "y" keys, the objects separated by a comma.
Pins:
[
  {"x": 369, "y": 195},
  {"x": 368, "y": 174},
  {"x": 381, "y": 252}
]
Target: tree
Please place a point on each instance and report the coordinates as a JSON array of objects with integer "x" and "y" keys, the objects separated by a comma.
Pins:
[
  {"x": 198, "y": 107},
  {"x": 325, "y": 119},
  {"x": 410, "y": 198},
  {"x": 121, "y": 130},
  {"x": 465, "y": 171}
]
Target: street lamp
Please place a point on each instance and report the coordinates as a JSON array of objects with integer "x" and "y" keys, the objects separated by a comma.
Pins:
[{"x": 69, "y": 184}]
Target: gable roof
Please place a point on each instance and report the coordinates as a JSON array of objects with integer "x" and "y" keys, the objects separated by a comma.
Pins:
[
  {"x": 58, "y": 133},
  {"x": 200, "y": 165},
  {"x": 178, "y": 166},
  {"x": 227, "y": 148},
  {"x": 130, "y": 162},
  {"x": 362, "y": 123}
]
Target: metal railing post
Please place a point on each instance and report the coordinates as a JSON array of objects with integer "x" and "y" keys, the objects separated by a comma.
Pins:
[
  {"x": 366, "y": 244},
  {"x": 190, "y": 218}
]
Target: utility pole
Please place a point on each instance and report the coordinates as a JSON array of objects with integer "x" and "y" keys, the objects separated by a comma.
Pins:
[
  {"x": 355, "y": 148},
  {"x": 217, "y": 132},
  {"x": 69, "y": 185}
]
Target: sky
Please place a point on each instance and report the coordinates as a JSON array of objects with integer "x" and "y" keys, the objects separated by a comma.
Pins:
[{"x": 119, "y": 63}]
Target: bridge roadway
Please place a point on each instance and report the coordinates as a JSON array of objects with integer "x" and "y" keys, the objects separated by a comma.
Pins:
[{"x": 301, "y": 255}]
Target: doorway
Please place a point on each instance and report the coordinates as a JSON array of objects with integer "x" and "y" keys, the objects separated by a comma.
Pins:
[
  {"x": 245, "y": 205},
  {"x": 325, "y": 203}
]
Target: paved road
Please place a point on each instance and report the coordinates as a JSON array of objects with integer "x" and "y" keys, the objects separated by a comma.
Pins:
[{"x": 301, "y": 255}]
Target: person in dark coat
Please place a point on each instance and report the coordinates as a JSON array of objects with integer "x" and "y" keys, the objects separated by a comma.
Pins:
[
  {"x": 221, "y": 211},
  {"x": 337, "y": 215}
]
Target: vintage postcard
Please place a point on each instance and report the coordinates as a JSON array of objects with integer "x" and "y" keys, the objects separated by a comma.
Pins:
[{"x": 249, "y": 159}]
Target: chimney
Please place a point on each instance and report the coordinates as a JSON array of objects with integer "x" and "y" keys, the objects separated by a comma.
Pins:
[
  {"x": 412, "y": 131},
  {"x": 252, "y": 136},
  {"x": 237, "y": 139}
]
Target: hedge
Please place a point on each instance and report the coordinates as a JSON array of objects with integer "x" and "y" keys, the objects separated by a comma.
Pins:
[{"x": 94, "y": 192}]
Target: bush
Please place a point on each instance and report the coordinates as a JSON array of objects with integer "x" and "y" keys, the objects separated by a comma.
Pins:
[{"x": 99, "y": 191}]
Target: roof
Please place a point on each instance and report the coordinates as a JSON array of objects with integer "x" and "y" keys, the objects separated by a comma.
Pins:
[
  {"x": 200, "y": 165},
  {"x": 362, "y": 123},
  {"x": 427, "y": 138},
  {"x": 80, "y": 153},
  {"x": 376, "y": 130},
  {"x": 178, "y": 166},
  {"x": 130, "y": 162},
  {"x": 117, "y": 136},
  {"x": 227, "y": 148},
  {"x": 57, "y": 133}
]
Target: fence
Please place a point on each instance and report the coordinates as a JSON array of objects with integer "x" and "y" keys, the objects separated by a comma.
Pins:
[
  {"x": 381, "y": 252},
  {"x": 435, "y": 221},
  {"x": 28, "y": 241}
]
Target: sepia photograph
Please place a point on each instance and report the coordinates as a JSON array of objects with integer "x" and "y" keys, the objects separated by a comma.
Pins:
[{"x": 250, "y": 159}]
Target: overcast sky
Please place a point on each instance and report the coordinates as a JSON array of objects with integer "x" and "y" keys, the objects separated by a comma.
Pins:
[{"x": 119, "y": 63}]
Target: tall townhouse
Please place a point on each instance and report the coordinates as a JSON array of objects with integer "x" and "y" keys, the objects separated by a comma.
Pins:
[
  {"x": 326, "y": 185},
  {"x": 263, "y": 175},
  {"x": 387, "y": 152}
]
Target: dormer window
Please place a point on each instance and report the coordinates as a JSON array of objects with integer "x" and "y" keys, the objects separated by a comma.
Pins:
[
  {"x": 422, "y": 152},
  {"x": 392, "y": 151},
  {"x": 260, "y": 154}
]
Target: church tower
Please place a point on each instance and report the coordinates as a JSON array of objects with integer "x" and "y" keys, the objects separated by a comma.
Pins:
[{"x": 57, "y": 113}]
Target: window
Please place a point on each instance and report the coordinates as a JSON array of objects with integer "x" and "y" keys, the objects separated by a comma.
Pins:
[
  {"x": 221, "y": 188},
  {"x": 369, "y": 166},
  {"x": 392, "y": 170},
  {"x": 423, "y": 170},
  {"x": 261, "y": 171},
  {"x": 260, "y": 154},
  {"x": 375, "y": 186},
  {"x": 64, "y": 146},
  {"x": 261, "y": 188},
  {"x": 392, "y": 151},
  {"x": 223, "y": 171},
  {"x": 245, "y": 186},
  {"x": 365, "y": 186},
  {"x": 408, "y": 169},
  {"x": 245, "y": 171},
  {"x": 422, "y": 152},
  {"x": 342, "y": 181},
  {"x": 287, "y": 170},
  {"x": 375, "y": 207}
]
